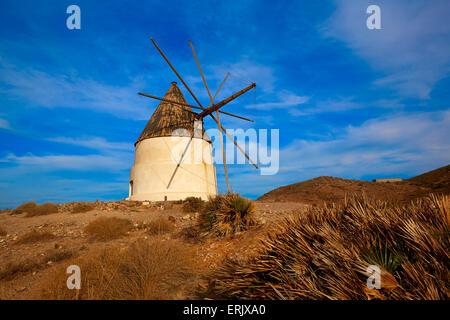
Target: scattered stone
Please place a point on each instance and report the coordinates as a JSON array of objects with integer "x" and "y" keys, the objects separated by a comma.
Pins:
[{"x": 172, "y": 219}]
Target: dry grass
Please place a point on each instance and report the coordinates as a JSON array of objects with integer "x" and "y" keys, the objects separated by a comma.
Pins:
[
  {"x": 160, "y": 226},
  {"x": 56, "y": 255},
  {"x": 153, "y": 269},
  {"x": 105, "y": 229},
  {"x": 82, "y": 207},
  {"x": 3, "y": 232},
  {"x": 323, "y": 253},
  {"x": 193, "y": 204},
  {"x": 12, "y": 269},
  {"x": 25, "y": 207},
  {"x": 227, "y": 214},
  {"x": 43, "y": 209},
  {"x": 35, "y": 236},
  {"x": 191, "y": 234}
]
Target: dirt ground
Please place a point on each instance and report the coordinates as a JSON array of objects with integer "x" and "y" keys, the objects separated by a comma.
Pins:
[{"x": 68, "y": 229}]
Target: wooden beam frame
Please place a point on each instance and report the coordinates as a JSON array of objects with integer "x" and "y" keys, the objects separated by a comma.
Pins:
[{"x": 191, "y": 106}]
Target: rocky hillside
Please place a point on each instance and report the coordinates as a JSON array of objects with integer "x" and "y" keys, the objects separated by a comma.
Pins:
[{"x": 331, "y": 189}]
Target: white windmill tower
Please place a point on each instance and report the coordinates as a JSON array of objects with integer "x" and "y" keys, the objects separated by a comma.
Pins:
[{"x": 163, "y": 171}]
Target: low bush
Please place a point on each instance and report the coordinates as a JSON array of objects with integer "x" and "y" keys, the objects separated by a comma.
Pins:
[
  {"x": 56, "y": 255},
  {"x": 193, "y": 204},
  {"x": 25, "y": 207},
  {"x": 35, "y": 236},
  {"x": 43, "y": 209},
  {"x": 191, "y": 233},
  {"x": 104, "y": 229},
  {"x": 160, "y": 226},
  {"x": 10, "y": 270},
  {"x": 82, "y": 207},
  {"x": 152, "y": 269}
]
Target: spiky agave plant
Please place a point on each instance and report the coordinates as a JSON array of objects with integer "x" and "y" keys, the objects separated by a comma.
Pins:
[
  {"x": 382, "y": 255},
  {"x": 226, "y": 214},
  {"x": 323, "y": 253},
  {"x": 234, "y": 214}
]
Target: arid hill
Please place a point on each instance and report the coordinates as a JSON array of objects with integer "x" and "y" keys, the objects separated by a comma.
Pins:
[{"x": 331, "y": 189}]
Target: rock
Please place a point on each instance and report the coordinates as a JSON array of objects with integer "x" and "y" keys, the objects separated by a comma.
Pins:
[
  {"x": 172, "y": 219},
  {"x": 186, "y": 217},
  {"x": 146, "y": 203}
]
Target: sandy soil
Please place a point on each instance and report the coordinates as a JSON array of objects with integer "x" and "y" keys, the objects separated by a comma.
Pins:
[{"x": 68, "y": 229}]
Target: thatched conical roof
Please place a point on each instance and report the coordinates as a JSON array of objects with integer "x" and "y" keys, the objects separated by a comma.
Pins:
[{"x": 169, "y": 117}]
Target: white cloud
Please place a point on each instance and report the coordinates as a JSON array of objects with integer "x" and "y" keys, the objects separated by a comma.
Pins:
[
  {"x": 401, "y": 143},
  {"x": 97, "y": 143},
  {"x": 286, "y": 99},
  {"x": 38, "y": 88},
  {"x": 242, "y": 74},
  {"x": 411, "y": 49},
  {"x": 32, "y": 162},
  {"x": 4, "y": 124}
]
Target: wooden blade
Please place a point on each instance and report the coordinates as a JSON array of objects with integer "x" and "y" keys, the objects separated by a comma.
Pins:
[
  {"x": 201, "y": 72},
  {"x": 169, "y": 101},
  {"x": 215, "y": 107},
  {"x": 177, "y": 74},
  {"x": 221, "y": 136},
  {"x": 217, "y": 113},
  {"x": 223, "y": 153},
  {"x": 234, "y": 141},
  {"x": 191, "y": 106}
]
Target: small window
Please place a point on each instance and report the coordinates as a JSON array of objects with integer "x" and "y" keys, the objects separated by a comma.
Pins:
[{"x": 165, "y": 198}]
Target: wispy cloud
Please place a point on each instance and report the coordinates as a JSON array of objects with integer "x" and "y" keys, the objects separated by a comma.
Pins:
[
  {"x": 393, "y": 144},
  {"x": 97, "y": 143},
  {"x": 286, "y": 99},
  {"x": 41, "y": 89},
  {"x": 411, "y": 48},
  {"x": 4, "y": 124},
  {"x": 65, "y": 162},
  {"x": 244, "y": 72}
]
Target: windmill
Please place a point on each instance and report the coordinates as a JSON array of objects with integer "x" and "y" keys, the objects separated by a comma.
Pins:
[{"x": 173, "y": 99}]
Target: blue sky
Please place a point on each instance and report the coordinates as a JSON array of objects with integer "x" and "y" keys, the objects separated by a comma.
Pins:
[{"x": 349, "y": 102}]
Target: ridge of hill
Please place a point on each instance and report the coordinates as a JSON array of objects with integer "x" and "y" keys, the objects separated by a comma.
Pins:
[{"x": 331, "y": 189}]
